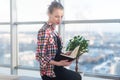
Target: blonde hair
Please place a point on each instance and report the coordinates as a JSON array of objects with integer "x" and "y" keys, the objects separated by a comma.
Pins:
[{"x": 54, "y": 5}]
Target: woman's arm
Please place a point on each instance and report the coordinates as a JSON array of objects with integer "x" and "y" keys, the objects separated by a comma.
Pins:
[
  {"x": 60, "y": 63},
  {"x": 41, "y": 53}
]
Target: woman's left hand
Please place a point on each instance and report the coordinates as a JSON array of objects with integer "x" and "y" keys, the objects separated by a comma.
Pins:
[{"x": 64, "y": 63}]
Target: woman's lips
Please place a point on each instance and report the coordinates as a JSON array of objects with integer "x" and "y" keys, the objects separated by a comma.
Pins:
[{"x": 58, "y": 22}]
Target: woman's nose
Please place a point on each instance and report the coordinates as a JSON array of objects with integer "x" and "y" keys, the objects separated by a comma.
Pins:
[{"x": 60, "y": 19}]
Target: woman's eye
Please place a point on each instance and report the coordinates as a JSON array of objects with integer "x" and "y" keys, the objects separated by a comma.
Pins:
[{"x": 56, "y": 16}]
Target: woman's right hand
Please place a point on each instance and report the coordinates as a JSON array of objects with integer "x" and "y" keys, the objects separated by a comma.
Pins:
[
  {"x": 68, "y": 53},
  {"x": 64, "y": 63}
]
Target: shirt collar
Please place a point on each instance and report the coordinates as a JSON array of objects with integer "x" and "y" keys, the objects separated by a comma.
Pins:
[{"x": 51, "y": 25}]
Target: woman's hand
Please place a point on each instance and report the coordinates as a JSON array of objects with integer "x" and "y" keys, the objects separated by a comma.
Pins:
[
  {"x": 64, "y": 63},
  {"x": 68, "y": 53},
  {"x": 61, "y": 63}
]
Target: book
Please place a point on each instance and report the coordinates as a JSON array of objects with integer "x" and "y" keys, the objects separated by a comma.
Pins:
[{"x": 72, "y": 56}]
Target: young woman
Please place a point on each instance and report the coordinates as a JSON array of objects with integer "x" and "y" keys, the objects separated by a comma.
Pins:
[{"x": 49, "y": 48}]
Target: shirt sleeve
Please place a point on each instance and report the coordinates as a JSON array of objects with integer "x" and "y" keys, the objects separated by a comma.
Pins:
[{"x": 42, "y": 42}]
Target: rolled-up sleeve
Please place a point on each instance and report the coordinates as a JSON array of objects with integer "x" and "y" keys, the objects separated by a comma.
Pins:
[{"x": 41, "y": 53}]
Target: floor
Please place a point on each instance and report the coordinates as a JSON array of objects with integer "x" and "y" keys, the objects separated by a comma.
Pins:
[
  {"x": 7, "y": 77},
  {"x": 92, "y": 78}
]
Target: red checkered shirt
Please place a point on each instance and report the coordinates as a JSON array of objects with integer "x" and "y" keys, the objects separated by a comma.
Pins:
[{"x": 46, "y": 49}]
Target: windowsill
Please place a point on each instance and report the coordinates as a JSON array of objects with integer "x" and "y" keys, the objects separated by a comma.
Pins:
[
  {"x": 101, "y": 76},
  {"x": 13, "y": 77}
]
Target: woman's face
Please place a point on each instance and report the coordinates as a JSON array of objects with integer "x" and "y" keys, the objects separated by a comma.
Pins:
[{"x": 56, "y": 16}]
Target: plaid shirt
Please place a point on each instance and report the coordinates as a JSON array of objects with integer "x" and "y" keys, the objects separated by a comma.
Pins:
[{"x": 46, "y": 49}]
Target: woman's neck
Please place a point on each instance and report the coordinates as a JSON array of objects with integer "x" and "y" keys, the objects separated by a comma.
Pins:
[{"x": 51, "y": 23}]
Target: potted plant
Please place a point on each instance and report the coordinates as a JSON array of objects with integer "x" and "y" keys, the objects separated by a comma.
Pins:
[{"x": 78, "y": 41}]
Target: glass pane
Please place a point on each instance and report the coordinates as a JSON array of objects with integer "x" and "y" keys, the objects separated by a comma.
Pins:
[
  {"x": 5, "y": 44},
  {"x": 27, "y": 38},
  {"x": 104, "y": 48},
  {"x": 91, "y": 9},
  {"x": 32, "y": 10},
  {"x": 4, "y": 10},
  {"x": 4, "y": 70}
]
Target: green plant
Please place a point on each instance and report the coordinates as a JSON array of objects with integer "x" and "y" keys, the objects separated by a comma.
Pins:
[{"x": 78, "y": 41}]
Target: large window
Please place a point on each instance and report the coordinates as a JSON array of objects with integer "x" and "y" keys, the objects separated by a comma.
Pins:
[
  {"x": 103, "y": 56},
  {"x": 91, "y": 9}
]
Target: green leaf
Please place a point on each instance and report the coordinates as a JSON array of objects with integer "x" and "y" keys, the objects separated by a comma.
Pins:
[{"x": 78, "y": 41}]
